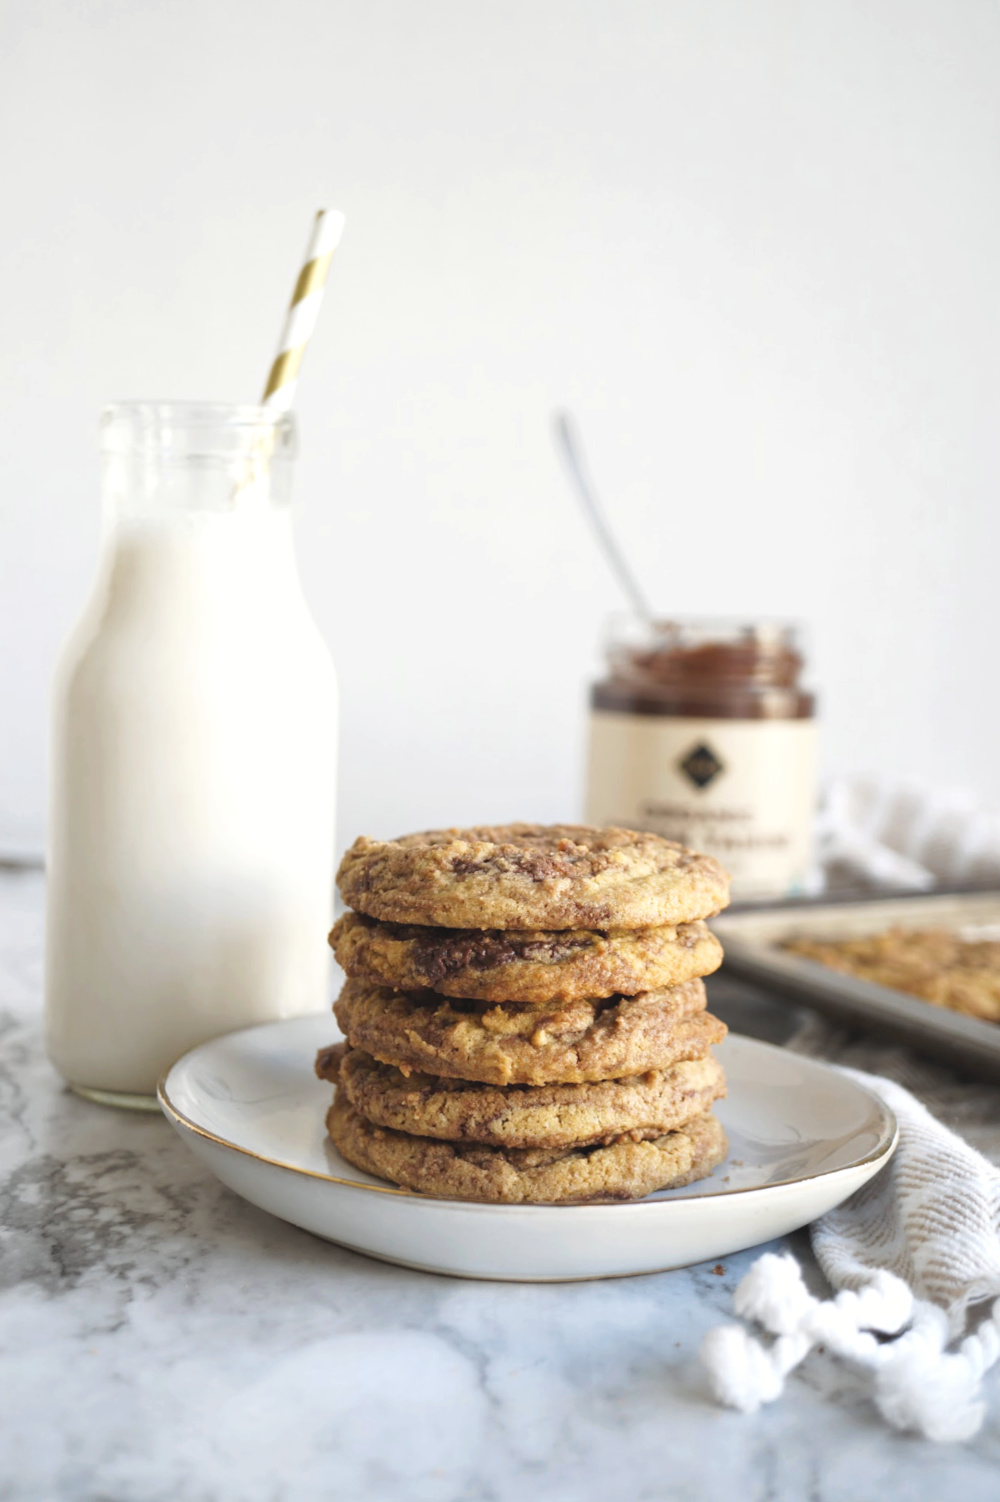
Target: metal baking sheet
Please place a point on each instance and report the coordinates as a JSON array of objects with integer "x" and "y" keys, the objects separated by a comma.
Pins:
[{"x": 752, "y": 940}]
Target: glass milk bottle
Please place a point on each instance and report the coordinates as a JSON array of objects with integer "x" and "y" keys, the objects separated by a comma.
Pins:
[{"x": 193, "y": 758}]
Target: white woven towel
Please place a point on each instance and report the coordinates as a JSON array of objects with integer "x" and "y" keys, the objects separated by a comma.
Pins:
[
  {"x": 875, "y": 832},
  {"x": 910, "y": 1255}
]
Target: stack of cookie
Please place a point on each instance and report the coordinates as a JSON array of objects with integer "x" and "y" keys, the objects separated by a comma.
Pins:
[{"x": 525, "y": 1015}]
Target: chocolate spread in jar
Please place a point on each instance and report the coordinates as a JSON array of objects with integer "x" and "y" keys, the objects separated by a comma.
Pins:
[{"x": 703, "y": 732}]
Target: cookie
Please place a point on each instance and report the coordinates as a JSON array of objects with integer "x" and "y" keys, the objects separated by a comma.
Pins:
[
  {"x": 518, "y": 1044},
  {"x": 521, "y": 1116},
  {"x": 624, "y": 1169},
  {"x": 532, "y": 876},
  {"x": 528, "y": 965},
  {"x": 939, "y": 966}
]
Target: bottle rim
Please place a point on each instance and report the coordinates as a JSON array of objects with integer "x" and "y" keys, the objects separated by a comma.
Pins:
[
  {"x": 158, "y": 431},
  {"x": 146, "y": 411}
]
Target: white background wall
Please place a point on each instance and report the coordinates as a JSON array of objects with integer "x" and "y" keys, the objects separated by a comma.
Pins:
[{"x": 754, "y": 244}]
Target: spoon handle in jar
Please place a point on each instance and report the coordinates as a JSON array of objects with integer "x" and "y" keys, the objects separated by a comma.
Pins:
[{"x": 568, "y": 439}]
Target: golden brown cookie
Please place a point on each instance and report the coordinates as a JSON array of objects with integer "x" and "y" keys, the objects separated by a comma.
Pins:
[
  {"x": 939, "y": 966},
  {"x": 426, "y": 1105},
  {"x": 519, "y": 1044},
  {"x": 624, "y": 1169},
  {"x": 528, "y": 965},
  {"x": 532, "y": 876}
]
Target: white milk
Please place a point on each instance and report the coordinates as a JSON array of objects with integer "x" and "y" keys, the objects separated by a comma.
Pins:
[{"x": 192, "y": 801}]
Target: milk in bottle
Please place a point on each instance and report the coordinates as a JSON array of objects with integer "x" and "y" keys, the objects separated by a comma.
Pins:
[{"x": 193, "y": 758}]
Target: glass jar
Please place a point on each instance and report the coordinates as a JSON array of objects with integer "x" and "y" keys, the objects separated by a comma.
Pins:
[
  {"x": 190, "y": 862},
  {"x": 703, "y": 732}
]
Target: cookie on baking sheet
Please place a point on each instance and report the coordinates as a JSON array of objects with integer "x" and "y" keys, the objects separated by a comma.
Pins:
[
  {"x": 529, "y": 965},
  {"x": 543, "y": 1116},
  {"x": 519, "y": 1044},
  {"x": 532, "y": 876},
  {"x": 624, "y": 1169},
  {"x": 939, "y": 965}
]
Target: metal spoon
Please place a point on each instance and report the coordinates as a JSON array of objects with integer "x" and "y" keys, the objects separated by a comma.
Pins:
[{"x": 568, "y": 439}]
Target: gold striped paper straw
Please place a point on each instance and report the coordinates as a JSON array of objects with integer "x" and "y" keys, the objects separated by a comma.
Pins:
[{"x": 303, "y": 310}]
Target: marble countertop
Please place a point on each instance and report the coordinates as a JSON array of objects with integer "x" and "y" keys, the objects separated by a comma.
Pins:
[{"x": 162, "y": 1340}]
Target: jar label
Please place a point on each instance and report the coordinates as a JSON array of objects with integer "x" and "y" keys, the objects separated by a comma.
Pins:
[{"x": 741, "y": 790}]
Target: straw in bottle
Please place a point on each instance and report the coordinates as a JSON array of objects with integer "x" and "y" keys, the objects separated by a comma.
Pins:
[{"x": 303, "y": 310}]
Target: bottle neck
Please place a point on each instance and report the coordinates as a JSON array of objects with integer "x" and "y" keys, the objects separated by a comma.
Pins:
[
  {"x": 164, "y": 460},
  {"x": 242, "y": 554}
]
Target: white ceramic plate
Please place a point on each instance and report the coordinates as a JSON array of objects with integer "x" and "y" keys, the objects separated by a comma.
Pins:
[{"x": 802, "y": 1138}]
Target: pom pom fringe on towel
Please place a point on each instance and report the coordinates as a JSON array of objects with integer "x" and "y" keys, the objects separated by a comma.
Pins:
[{"x": 910, "y": 1252}]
